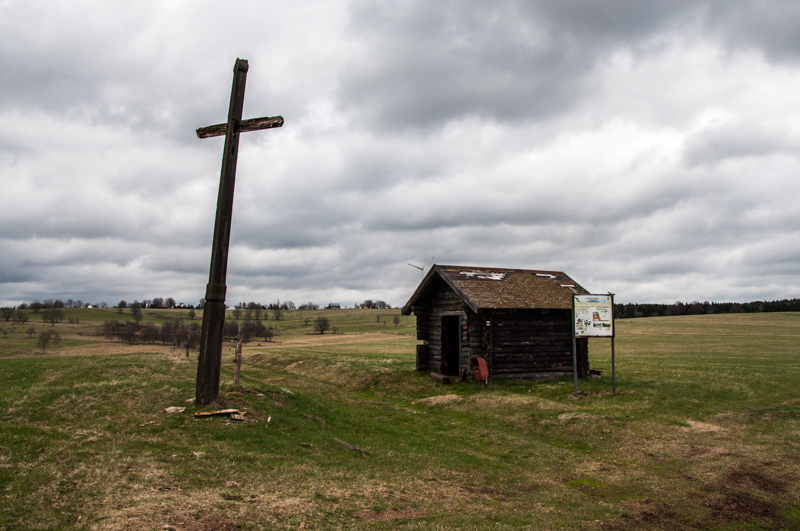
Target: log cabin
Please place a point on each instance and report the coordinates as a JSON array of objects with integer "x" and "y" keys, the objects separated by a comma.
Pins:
[{"x": 518, "y": 320}]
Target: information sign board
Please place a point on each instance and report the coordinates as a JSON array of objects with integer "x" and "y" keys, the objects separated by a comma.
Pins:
[{"x": 594, "y": 316}]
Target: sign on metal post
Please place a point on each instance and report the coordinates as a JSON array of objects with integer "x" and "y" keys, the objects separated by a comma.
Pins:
[{"x": 593, "y": 316}]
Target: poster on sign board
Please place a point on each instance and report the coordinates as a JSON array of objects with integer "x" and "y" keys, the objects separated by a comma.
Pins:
[{"x": 593, "y": 316}]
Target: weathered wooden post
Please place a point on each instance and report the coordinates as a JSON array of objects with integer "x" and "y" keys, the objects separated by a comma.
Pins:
[
  {"x": 210, "y": 358},
  {"x": 238, "y": 356}
]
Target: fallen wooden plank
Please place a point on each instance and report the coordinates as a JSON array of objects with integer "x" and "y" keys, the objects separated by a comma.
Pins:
[
  {"x": 350, "y": 446},
  {"x": 219, "y": 413},
  {"x": 440, "y": 377}
]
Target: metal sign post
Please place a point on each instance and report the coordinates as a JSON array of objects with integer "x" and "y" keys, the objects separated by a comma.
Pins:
[
  {"x": 574, "y": 350},
  {"x": 613, "y": 369}
]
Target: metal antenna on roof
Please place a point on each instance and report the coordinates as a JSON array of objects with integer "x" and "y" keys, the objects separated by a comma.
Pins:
[{"x": 421, "y": 269}]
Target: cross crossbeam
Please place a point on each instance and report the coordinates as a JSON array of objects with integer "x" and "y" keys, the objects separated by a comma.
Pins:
[{"x": 254, "y": 124}]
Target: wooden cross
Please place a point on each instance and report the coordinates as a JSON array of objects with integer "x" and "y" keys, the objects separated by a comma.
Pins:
[{"x": 210, "y": 359}]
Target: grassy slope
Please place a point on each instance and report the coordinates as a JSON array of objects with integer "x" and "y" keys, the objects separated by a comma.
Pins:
[{"x": 702, "y": 435}]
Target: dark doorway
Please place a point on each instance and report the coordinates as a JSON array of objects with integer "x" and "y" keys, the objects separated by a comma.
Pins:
[{"x": 451, "y": 345}]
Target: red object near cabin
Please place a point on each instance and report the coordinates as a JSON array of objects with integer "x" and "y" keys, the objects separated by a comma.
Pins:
[{"x": 479, "y": 369}]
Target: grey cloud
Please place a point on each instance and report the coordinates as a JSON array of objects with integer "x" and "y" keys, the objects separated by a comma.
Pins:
[
  {"x": 483, "y": 134},
  {"x": 422, "y": 65},
  {"x": 426, "y": 64},
  {"x": 724, "y": 142},
  {"x": 769, "y": 26}
]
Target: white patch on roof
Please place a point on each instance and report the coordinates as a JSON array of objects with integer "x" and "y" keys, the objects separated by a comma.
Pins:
[{"x": 485, "y": 275}]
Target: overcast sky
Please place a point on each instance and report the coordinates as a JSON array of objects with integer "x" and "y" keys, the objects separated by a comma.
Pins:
[{"x": 644, "y": 148}]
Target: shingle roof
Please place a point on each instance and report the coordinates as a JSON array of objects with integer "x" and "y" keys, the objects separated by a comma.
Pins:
[{"x": 498, "y": 288}]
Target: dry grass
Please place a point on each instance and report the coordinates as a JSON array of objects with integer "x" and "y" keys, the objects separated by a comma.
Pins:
[{"x": 693, "y": 440}]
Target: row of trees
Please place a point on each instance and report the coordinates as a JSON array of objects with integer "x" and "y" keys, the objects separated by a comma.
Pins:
[
  {"x": 48, "y": 315},
  {"x": 697, "y": 308},
  {"x": 170, "y": 303},
  {"x": 369, "y": 303},
  {"x": 37, "y": 306},
  {"x": 172, "y": 333}
]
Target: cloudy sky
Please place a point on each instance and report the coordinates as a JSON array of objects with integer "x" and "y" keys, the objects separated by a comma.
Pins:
[{"x": 645, "y": 148}]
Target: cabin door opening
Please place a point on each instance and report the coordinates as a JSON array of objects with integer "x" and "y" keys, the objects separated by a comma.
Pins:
[{"x": 451, "y": 345}]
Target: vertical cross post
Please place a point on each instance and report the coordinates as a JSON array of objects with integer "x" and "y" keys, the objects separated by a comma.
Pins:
[{"x": 210, "y": 359}]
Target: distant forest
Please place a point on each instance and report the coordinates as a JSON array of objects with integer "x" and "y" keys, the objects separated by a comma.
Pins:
[{"x": 624, "y": 311}]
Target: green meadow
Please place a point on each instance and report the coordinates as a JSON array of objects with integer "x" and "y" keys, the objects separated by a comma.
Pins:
[{"x": 340, "y": 432}]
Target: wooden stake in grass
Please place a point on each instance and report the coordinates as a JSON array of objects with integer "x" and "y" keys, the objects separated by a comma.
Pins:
[
  {"x": 210, "y": 359},
  {"x": 238, "y": 358}
]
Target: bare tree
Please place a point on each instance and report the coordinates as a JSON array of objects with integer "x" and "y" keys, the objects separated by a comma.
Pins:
[
  {"x": 396, "y": 320},
  {"x": 36, "y": 306},
  {"x": 170, "y": 302},
  {"x": 321, "y": 324},
  {"x": 30, "y": 331},
  {"x": 44, "y": 340},
  {"x": 136, "y": 311},
  {"x": 278, "y": 313},
  {"x": 57, "y": 341},
  {"x": 8, "y": 312},
  {"x": 121, "y": 305},
  {"x": 192, "y": 313},
  {"x": 21, "y": 317},
  {"x": 53, "y": 316},
  {"x": 378, "y": 318}
]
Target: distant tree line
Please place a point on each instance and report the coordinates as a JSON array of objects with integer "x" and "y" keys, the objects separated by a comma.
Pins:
[
  {"x": 255, "y": 309},
  {"x": 172, "y": 332},
  {"x": 631, "y": 310},
  {"x": 37, "y": 306},
  {"x": 250, "y": 329},
  {"x": 369, "y": 304}
]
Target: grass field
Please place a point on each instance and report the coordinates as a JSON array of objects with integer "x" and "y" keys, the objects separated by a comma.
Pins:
[{"x": 704, "y": 433}]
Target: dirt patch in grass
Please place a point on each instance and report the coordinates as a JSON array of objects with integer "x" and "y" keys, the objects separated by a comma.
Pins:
[
  {"x": 388, "y": 515},
  {"x": 695, "y": 452},
  {"x": 313, "y": 340},
  {"x": 739, "y": 506},
  {"x": 110, "y": 349},
  {"x": 442, "y": 399},
  {"x": 703, "y": 427},
  {"x": 564, "y": 417},
  {"x": 513, "y": 401},
  {"x": 749, "y": 494}
]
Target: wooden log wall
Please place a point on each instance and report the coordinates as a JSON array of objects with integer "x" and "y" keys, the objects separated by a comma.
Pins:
[
  {"x": 517, "y": 344},
  {"x": 441, "y": 302},
  {"x": 532, "y": 342}
]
